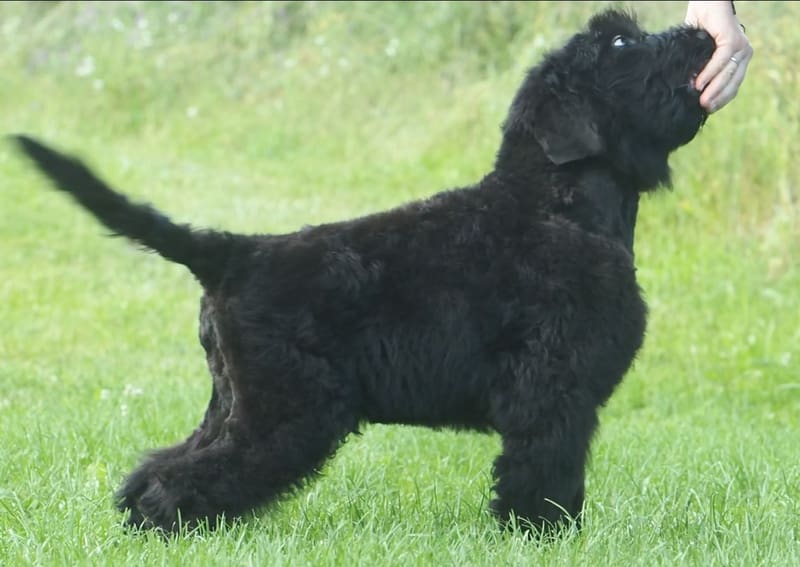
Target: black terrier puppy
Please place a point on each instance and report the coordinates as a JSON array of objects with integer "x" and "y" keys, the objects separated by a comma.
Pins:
[{"x": 511, "y": 305}]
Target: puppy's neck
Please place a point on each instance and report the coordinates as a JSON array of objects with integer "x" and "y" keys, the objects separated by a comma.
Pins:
[
  {"x": 588, "y": 193},
  {"x": 638, "y": 164},
  {"x": 599, "y": 202},
  {"x": 521, "y": 158}
]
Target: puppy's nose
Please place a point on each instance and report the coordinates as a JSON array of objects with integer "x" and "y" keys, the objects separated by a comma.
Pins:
[{"x": 701, "y": 34}]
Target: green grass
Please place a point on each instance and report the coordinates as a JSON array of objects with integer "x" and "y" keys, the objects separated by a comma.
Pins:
[{"x": 265, "y": 117}]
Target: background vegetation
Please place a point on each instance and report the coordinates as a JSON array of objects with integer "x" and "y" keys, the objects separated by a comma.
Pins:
[{"x": 268, "y": 116}]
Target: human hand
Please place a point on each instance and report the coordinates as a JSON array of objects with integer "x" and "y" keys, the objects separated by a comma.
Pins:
[{"x": 719, "y": 81}]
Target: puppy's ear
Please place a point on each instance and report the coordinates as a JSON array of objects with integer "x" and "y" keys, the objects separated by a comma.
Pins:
[{"x": 565, "y": 131}]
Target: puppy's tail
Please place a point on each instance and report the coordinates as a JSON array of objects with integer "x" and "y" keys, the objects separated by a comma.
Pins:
[{"x": 203, "y": 252}]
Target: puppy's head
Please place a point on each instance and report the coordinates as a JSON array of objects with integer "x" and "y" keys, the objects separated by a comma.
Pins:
[{"x": 617, "y": 93}]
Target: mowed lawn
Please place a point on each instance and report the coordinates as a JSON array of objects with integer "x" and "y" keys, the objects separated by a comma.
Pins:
[{"x": 270, "y": 116}]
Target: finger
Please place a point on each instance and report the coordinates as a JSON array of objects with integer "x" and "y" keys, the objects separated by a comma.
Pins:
[
  {"x": 721, "y": 57},
  {"x": 733, "y": 72},
  {"x": 718, "y": 84},
  {"x": 731, "y": 88}
]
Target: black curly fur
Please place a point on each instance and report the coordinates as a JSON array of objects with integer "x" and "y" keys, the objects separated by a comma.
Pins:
[{"x": 511, "y": 305}]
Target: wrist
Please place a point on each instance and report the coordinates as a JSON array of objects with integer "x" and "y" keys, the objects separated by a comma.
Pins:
[{"x": 705, "y": 7}]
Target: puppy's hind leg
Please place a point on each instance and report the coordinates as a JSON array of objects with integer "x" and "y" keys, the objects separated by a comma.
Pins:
[
  {"x": 238, "y": 471},
  {"x": 276, "y": 414},
  {"x": 209, "y": 430}
]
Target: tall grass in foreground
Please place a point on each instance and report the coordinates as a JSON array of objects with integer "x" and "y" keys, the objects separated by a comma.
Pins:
[{"x": 268, "y": 116}]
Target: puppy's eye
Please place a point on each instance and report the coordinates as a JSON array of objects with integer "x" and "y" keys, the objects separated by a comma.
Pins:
[{"x": 619, "y": 41}]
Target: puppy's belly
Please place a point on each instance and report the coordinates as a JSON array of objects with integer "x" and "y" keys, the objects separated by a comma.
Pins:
[
  {"x": 411, "y": 381},
  {"x": 432, "y": 409}
]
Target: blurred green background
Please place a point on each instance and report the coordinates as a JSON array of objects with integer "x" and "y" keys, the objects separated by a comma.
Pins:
[{"x": 268, "y": 116}]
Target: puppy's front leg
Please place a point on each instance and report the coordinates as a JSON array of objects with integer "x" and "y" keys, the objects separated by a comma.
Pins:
[{"x": 546, "y": 435}]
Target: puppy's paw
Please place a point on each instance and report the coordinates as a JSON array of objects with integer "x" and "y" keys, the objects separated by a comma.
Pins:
[{"x": 153, "y": 500}]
